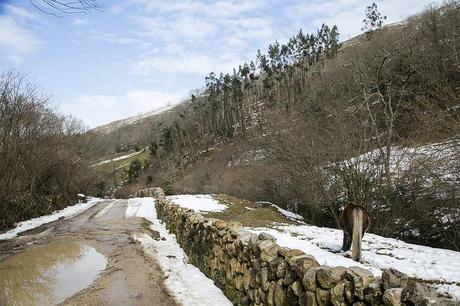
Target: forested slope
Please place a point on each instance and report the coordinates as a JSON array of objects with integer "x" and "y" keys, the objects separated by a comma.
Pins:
[{"x": 286, "y": 127}]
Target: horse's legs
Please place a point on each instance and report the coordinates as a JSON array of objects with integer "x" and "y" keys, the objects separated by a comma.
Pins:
[
  {"x": 346, "y": 242},
  {"x": 349, "y": 240}
]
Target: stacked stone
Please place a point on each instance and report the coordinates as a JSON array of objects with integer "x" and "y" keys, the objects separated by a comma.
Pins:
[{"x": 252, "y": 269}]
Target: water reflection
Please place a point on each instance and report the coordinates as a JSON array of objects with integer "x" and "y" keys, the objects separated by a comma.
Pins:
[{"x": 47, "y": 275}]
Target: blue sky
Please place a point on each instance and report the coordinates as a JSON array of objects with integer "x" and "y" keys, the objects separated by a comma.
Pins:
[{"x": 134, "y": 56}]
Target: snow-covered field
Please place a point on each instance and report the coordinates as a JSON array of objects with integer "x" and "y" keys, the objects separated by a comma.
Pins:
[
  {"x": 186, "y": 282},
  {"x": 67, "y": 212},
  {"x": 425, "y": 263},
  {"x": 198, "y": 202}
]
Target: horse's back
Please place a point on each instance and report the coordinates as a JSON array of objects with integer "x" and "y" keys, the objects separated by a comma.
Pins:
[{"x": 347, "y": 219}]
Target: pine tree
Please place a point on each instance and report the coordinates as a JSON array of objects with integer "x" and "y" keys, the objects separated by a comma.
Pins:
[{"x": 374, "y": 20}]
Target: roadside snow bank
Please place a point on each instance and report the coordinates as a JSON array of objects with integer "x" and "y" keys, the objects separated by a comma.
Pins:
[
  {"x": 198, "y": 202},
  {"x": 186, "y": 282},
  {"x": 67, "y": 212},
  {"x": 425, "y": 263}
]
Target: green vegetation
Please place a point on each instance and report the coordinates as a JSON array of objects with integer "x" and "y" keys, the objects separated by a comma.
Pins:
[
  {"x": 134, "y": 170},
  {"x": 120, "y": 168}
]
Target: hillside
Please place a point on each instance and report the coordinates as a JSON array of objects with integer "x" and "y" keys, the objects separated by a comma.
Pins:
[
  {"x": 289, "y": 126},
  {"x": 112, "y": 127}
]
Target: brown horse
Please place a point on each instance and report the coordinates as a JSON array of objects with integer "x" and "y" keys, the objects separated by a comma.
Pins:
[{"x": 354, "y": 221}]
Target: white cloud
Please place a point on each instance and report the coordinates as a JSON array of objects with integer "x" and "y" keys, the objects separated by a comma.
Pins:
[
  {"x": 235, "y": 43},
  {"x": 19, "y": 12},
  {"x": 96, "y": 110},
  {"x": 197, "y": 37},
  {"x": 215, "y": 9},
  {"x": 179, "y": 61},
  {"x": 15, "y": 39},
  {"x": 118, "y": 39},
  {"x": 147, "y": 100},
  {"x": 80, "y": 21},
  {"x": 179, "y": 27},
  {"x": 347, "y": 14}
]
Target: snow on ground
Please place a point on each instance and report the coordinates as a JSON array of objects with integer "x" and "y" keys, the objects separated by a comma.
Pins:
[
  {"x": 67, "y": 212},
  {"x": 441, "y": 159},
  {"x": 186, "y": 282},
  {"x": 142, "y": 208},
  {"x": 117, "y": 158},
  {"x": 379, "y": 253},
  {"x": 198, "y": 202},
  {"x": 288, "y": 214}
]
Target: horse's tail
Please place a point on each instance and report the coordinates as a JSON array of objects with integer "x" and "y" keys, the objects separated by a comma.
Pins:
[{"x": 357, "y": 234}]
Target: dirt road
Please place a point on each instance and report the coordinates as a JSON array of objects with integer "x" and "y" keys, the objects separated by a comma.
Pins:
[{"x": 97, "y": 240}]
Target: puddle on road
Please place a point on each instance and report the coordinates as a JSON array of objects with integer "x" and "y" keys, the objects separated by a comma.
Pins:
[{"x": 47, "y": 275}]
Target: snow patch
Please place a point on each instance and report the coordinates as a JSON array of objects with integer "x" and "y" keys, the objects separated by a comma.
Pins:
[
  {"x": 452, "y": 290},
  {"x": 142, "y": 208},
  {"x": 117, "y": 158},
  {"x": 198, "y": 202},
  {"x": 288, "y": 214},
  {"x": 185, "y": 281},
  {"x": 439, "y": 159},
  {"x": 67, "y": 212}
]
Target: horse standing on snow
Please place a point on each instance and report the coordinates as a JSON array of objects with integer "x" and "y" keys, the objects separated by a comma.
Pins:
[{"x": 354, "y": 221}]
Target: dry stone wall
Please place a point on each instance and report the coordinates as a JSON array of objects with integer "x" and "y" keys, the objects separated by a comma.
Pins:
[{"x": 252, "y": 269}]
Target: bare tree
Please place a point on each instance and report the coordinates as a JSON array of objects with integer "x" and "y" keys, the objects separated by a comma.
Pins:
[
  {"x": 55, "y": 7},
  {"x": 40, "y": 167}
]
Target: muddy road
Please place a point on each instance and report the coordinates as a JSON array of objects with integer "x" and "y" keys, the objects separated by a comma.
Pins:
[{"x": 90, "y": 259}]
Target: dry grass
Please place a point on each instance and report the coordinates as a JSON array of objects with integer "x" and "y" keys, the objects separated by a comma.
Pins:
[{"x": 258, "y": 215}]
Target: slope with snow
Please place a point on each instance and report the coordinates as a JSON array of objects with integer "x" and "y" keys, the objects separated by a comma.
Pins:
[
  {"x": 112, "y": 126},
  {"x": 118, "y": 158},
  {"x": 439, "y": 160}
]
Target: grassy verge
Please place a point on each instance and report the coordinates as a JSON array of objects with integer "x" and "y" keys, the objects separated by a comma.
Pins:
[{"x": 248, "y": 213}]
